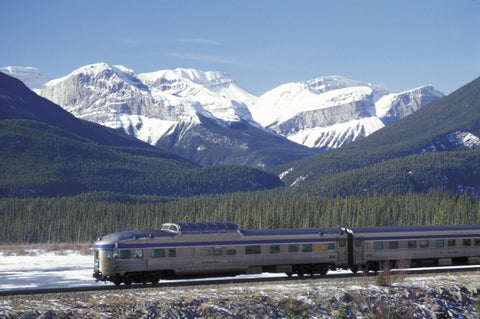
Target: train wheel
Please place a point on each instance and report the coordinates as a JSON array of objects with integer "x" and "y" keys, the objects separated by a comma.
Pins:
[
  {"x": 155, "y": 279},
  {"x": 289, "y": 274},
  {"x": 117, "y": 281},
  {"x": 128, "y": 281},
  {"x": 323, "y": 270},
  {"x": 354, "y": 269}
]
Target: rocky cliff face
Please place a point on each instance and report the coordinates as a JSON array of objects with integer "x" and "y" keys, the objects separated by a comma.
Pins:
[
  {"x": 100, "y": 93},
  {"x": 394, "y": 107},
  {"x": 329, "y": 112}
]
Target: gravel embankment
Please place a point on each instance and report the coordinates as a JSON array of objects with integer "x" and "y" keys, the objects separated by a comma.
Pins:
[{"x": 425, "y": 296}]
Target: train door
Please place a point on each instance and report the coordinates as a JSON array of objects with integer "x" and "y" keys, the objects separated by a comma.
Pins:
[
  {"x": 358, "y": 251},
  {"x": 342, "y": 258}
]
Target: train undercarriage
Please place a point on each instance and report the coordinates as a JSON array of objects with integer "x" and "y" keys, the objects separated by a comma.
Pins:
[{"x": 154, "y": 277}]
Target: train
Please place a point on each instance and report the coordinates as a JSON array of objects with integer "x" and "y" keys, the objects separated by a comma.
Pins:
[{"x": 205, "y": 249}]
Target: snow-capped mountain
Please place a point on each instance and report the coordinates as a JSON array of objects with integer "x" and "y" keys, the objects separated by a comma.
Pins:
[
  {"x": 141, "y": 104},
  {"x": 329, "y": 112},
  {"x": 202, "y": 116},
  {"x": 33, "y": 78},
  {"x": 207, "y": 118},
  {"x": 214, "y": 94},
  {"x": 393, "y": 107}
]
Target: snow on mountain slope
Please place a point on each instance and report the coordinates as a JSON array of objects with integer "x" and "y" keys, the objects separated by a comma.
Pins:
[
  {"x": 31, "y": 77},
  {"x": 329, "y": 112},
  {"x": 168, "y": 106},
  {"x": 393, "y": 107},
  {"x": 215, "y": 94},
  {"x": 337, "y": 135},
  {"x": 459, "y": 140},
  {"x": 101, "y": 93},
  {"x": 149, "y": 105}
]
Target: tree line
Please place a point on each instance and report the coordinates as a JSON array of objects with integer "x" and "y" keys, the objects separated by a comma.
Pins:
[{"x": 82, "y": 218}]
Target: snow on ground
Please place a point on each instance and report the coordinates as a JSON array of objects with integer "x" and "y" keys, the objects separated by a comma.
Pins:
[{"x": 39, "y": 269}]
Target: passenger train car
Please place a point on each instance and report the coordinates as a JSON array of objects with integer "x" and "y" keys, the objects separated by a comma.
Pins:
[
  {"x": 415, "y": 246},
  {"x": 215, "y": 249}
]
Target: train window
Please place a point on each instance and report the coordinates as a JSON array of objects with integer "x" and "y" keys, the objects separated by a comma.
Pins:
[
  {"x": 172, "y": 252},
  {"x": 217, "y": 251},
  {"x": 274, "y": 249},
  {"x": 231, "y": 251},
  {"x": 97, "y": 255},
  {"x": 252, "y": 250},
  {"x": 342, "y": 242},
  {"x": 424, "y": 244},
  {"x": 378, "y": 245},
  {"x": 307, "y": 248},
  {"x": 331, "y": 246},
  {"x": 138, "y": 254},
  {"x": 467, "y": 242},
  {"x": 476, "y": 241},
  {"x": 125, "y": 254},
  {"x": 158, "y": 253},
  {"x": 293, "y": 248},
  {"x": 206, "y": 251},
  {"x": 451, "y": 243},
  {"x": 112, "y": 254},
  {"x": 412, "y": 244},
  {"x": 439, "y": 243},
  {"x": 358, "y": 242},
  {"x": 393, "y": 244}
]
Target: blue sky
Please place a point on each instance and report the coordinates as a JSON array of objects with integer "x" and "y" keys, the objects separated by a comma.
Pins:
[{"x": 261, "y": 44}]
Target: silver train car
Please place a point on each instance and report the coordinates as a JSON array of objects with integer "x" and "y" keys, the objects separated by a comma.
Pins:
[
  {"x": 414, "y": 246},
  {"x": 182, "y": 250},
  {"x": 213, "y": 249}
]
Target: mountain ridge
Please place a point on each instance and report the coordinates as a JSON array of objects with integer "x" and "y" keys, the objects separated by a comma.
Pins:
[
  {"x": 446, "y": 124},
  {"x": 171, "y": 108},
  {"x": 32, "y": 77},
  {"x": 46, "y": 151},
  {"x": 175, "y": 113}
]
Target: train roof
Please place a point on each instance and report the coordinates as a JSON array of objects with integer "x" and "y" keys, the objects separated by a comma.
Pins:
[
  {"x": 175, "y": 229},
  {"x": 293, "y": 232},
  {"x": 200, "y": 228},
  {"x": 133, "y": 234},
  {"x": 432, "y": 228}
]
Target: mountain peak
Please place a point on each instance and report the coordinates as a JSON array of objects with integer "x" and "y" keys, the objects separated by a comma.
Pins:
[
  {"x": 209, "y": 79},
  {"x": 392, "y": 107},
  {"x": 32, "y": 77},
  {"x": 288, "y": 100},
  {"x": 333, "y": 82},
  {"x": 331, "y": 111}
]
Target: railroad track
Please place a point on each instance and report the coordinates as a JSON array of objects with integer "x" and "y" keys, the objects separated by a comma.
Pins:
[{"x": 226, "y": 281}]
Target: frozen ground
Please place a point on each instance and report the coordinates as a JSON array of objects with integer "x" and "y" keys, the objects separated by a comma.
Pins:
[{"x": 40, "y": 269}]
